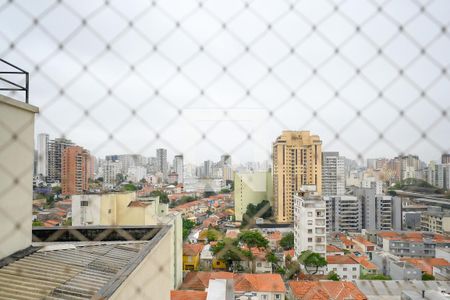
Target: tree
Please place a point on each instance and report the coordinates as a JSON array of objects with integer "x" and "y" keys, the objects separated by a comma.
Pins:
[
  {"x": 426, "y": 277},
  {"x": 224, "y": 191},
  {"x": 273, "y": 259},
  {"x": 287, "y": 241},
  {"x": 375, "y": 277},
  {"x": 253, "y": 239},
  {"x": 207, "y": 194},
  {"x": 212, "y": 235},
  {"x": 129, "y": 187},
  {"x": 37, "y": 223},
  {"x": 333, "y": 276},
  {"x": 261, "y": 210},
  {"x": 312, "y": 261},
  {"x": 228, "y": 250},
  {"x": 187, "y": 227},
  {"x": 120, "y": 178},
  {"x": 163, "y": 198}
]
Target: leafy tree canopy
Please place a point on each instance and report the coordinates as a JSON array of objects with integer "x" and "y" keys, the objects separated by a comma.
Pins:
[
  {"x": 333, "y": 276},
  {"x": 312, "y": 261},
  {"x": 163, "y": 198},
  {"x": 252, "y": 239},
  {"x": 287, "y": 241}
]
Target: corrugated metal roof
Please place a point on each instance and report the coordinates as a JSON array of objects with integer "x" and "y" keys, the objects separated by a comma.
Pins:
[
  {"x": 392, "y": 289},
  {"x": 71, "y": 273}
]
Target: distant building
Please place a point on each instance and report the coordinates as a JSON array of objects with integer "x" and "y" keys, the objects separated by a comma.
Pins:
[
  {"x": 346, "y": 267},
  {"x": 178, "y": 166},
  {"x": 136, "y": 173},
  {"x": 377, "y": 212},
  {"x": 56, "y": 149},
  {"x": 435, "y": 174},
  {"x": 445, "y": 158},
  {"x": 251, "y": 188},
  {"x": 161, "y": 162},
  {"x": 76, "y": 170},
  {"x": 435, "y": 220},
  {"x": 111, "y": 169},
  {"x": 297, "y": 161},
  {"x": 42, "y": 155},
  {"x": 344, "y": 214},
  {"x": 333, "y": 174},
  {"x": 116, "y": 209},
  {"x": 310, "y": 290},
  {"x": 309, "y": 224}
]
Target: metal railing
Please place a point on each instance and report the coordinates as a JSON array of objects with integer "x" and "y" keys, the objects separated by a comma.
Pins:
[{"x": 14, "y": 86}]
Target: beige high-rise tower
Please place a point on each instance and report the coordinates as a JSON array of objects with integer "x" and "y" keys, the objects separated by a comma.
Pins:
[{"x": 297, "y": 162}]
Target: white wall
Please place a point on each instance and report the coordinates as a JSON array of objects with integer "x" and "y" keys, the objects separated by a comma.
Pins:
[
  {"x": 16, "y": 174},
  {"x": 345, "y": 271}
]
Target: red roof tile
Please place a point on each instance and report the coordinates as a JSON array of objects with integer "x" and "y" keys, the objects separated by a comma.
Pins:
[
  {"x": 188, "y": 295},
  {"x": 318, "y": 290},
  {"x": 341, "y": 260},
  {"x": 192, "y": 249}
]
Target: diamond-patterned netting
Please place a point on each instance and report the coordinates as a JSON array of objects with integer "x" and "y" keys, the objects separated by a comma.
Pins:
[{"x": 209, "y": 77}]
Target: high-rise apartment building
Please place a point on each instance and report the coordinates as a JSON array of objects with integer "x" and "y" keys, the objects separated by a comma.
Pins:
[
  {"x": 376, "y": 209},
  {"x": 110, "y": 171},
  {"x": 344, "y": 213},
  {"x": 309, "y": 224},
  {"x": 178, "y": 166},
  {"x": 445, "y": 158},
  {"x": 409, "y": 165},
  {"x": 75, "y": 170},
  {"x": 435, "y": 174},
  {"x": 297, "y": 162},
  {"x": 42, "y": 155},
  {"x": 56, "y": 149},
  {"x": 161, "y": 162},
  {"x": 225, "y": 163},
  {"x": 333, "y": 174}
]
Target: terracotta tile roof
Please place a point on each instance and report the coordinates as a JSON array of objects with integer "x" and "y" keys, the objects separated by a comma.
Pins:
[
  {"x": 242, "y": 282},
  {"x": 291, "y": 253},
  {"x": 416, "y": 236},
  {"x": 200, "y": 280},
  {"x": 341, "y": 260},
  {"x": 363, "y": 241},
  {"x": 333, "y": 248},
  {"x": 192, "y": 249},
  {"x": 259, "y": 283},
  {"x": 51, "y": 223},
  {"x": 426, "y": 264},
  {"x": 364, "y": 262},
  {"x": 318, "y": 290},
  {"x": 188, "y": 295},
  {"x": 276, "y": 235},
  {"x": 232, "y": 233}
]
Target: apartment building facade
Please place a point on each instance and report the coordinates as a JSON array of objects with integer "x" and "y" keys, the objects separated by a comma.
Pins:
[
  {"x": 309, "y": 224},
  {"x": 75, "y": 170},
  {"x": 343, "y": 214},
  {"x": 297, "y": 162},
  {"x": 333, "y": 174},
  {"x": 435, "y": 220}
]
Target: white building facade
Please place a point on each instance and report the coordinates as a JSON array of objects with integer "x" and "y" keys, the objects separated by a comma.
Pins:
[{"x": 309, "y": 224}]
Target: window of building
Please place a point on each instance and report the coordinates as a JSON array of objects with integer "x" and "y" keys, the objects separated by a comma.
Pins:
[
  {"x": 310, "y": 214},
  {"x": 354, "y": 276},
  {"x": 345, "y": 269},
  {"x": 310, "y": 222},
  {"x": 109, "y": 211},
  {"x": 344, "y": 277},
  {"x": 277, "y": 296},
  {"x": 309, "y": 231},
  {"x": 259, "y": 265},
  {"x": 354, "y": 268},
  {"x": 309, "y": 240},
  {"x": 264, "y": 297},
  {"x": 84, "y": 203}
]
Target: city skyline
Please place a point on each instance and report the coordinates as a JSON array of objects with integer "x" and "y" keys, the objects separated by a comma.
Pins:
[{"x": 227, "y": 78}]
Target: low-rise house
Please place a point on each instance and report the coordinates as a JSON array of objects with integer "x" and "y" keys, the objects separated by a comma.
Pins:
[
  {"x": 366, "y": 266},
  {"x": 191, "y": 256},
  {"x": 390, "y": 265},
  {"x": 232, "y": 233},
  {"x": 261, "y": 263},
  {"x": 318, "y": 290},
  {"x": 274, "y": 239},
  {"x": 188, "y": 295},
  {"x": 426, "y": 264},
  {"x": 411, "y": 244},
  {"x": 333, "y": 250},
  {"x": 345, "y": 266},
  {"x": 209, "y": 262},
  {"x": 364, "y": 245},
  {"x": 258, "y": 286}
]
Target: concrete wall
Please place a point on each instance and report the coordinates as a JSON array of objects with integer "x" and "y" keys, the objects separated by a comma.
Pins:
[
  {"x": 16, "y": 174},
  {"x": 153, "y": 277}
]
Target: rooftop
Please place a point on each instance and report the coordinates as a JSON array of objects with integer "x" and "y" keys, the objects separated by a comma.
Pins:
[
  {"x": 68, "y": 268},
  {"x": 318, "y": 290},
  {"x": 188, "y": 295},
  {"x": 392, "y": 289},
  {"x": 341, "y": 260}
]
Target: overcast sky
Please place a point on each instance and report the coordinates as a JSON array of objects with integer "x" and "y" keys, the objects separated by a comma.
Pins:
[{"x": 210, "y": 77}]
